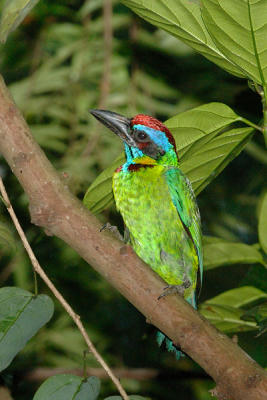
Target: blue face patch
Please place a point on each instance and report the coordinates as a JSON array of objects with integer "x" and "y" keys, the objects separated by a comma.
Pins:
[{"x": 156, "y": 136}]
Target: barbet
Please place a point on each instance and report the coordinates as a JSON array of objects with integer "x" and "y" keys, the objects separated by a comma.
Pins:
[{"x": 157, "y": 204}]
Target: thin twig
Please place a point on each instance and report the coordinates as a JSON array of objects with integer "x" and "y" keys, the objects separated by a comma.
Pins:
[{"x": 72, "y": 314}]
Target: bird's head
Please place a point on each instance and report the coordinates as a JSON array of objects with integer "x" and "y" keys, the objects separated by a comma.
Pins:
[{"x": 144, "y": 136}]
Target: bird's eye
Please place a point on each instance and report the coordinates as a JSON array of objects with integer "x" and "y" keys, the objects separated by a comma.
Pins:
[{"x": 141, "y": 136}]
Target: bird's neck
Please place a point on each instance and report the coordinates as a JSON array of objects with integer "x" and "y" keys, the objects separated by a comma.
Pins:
[{"x": 136, "y": 156}]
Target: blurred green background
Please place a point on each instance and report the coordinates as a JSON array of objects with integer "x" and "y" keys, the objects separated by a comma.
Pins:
[{"x": 68, "y": 57}]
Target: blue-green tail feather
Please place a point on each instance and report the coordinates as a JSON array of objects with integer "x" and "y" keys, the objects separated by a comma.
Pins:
[
  {"x": 192, "y": 300},
  {"x": 160, "y": 338},
  {"x": 168, "y": 343}
]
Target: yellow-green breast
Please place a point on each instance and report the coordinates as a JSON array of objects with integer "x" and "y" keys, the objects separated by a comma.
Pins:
[{"x": 156, "y": 231}]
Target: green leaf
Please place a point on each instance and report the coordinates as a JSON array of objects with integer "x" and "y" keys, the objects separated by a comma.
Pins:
[
  {"x": 207, "y": 119},
  {"x": 113, "y": 398},
  {"x": 209, "y": 160},
  {"x": 203, "y": 149},
  {"x": 7, "y": 239},
  {"x": 155, "y": 86},
  {"x": 239, "y": 29},
  {"x": 51, "y": 136},
  {"x": 238, "y": 297},
  {"x": 21, "y": 316},
  {"x": 220, "y": 253},
  {"x": 258, "y": 313},
  {"x": 89, "y": 7},
  {"x": 99, "y": 195},
  {"x": 262, "y": 327},
  {"x": 263, "y": 224},
  {"x": 182, "y": 19},
  {"x": 225, "y": 310},
  {"x": 68, "y": 387},
  {"x": 133, "y": 397},
  {"x": 226, "y": 319},
  {"x": 13, "y": 14}
]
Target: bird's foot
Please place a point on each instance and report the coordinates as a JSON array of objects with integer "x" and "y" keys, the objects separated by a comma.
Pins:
[
  {"x": 113, "y": 229},
  {"x": 175, "y": 289},
  {"x": 172, "y": 289}
]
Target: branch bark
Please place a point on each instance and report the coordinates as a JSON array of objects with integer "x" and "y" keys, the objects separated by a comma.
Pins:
[
  {"x": 54, "y": 208},
  {"x": 76, "y": 318}
]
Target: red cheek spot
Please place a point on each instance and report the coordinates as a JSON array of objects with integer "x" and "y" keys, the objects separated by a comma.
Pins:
[
  {"x": 118, "y": 169},
  {"x": 141, "y": 146}
]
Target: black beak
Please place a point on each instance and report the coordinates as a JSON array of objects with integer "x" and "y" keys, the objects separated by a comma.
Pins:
[{"x": 116, "y": 123}]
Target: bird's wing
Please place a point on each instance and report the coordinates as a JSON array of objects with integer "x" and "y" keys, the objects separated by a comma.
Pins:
[{"x": 183, "y": 198}]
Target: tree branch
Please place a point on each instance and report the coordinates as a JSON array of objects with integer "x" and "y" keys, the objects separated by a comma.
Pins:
[
  {"x": 76, "y": 318},
  {"x": 237, "y": 376}
]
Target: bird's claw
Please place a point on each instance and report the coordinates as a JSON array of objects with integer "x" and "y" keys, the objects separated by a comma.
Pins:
[
  {"x": 172, "y": 289},
  {"x": 175, "y": 289},
  {"x": 113, "y": 229}
]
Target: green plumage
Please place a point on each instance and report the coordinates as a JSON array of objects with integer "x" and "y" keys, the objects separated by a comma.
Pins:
[{"x": 156, "y": 204}]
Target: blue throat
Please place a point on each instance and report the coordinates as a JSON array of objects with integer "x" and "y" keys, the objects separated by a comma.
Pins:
[{"x": 131, "y": 153}]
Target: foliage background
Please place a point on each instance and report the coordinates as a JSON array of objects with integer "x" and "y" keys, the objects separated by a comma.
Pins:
[{"x": 66, "y": 58}]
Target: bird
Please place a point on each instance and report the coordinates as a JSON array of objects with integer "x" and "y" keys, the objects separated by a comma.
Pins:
[{"x": 158, "y": 205}]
